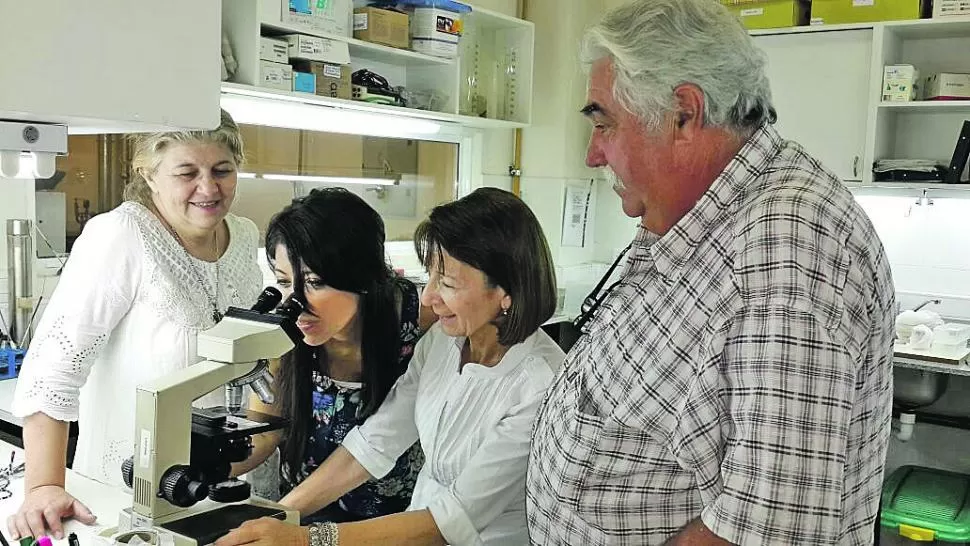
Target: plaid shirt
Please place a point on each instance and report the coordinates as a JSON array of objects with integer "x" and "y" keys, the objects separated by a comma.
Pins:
[{"x": 740, "y": 372}]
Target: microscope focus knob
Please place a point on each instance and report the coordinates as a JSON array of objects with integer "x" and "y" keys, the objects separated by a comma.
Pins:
[
  {"x": 128, "y": 471},
  {"x": 231, "y": 490},
  {"x": 180, "y": 487}
]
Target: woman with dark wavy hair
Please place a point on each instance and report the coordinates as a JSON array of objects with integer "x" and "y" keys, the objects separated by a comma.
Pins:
[{"x": 359, "y": 330}]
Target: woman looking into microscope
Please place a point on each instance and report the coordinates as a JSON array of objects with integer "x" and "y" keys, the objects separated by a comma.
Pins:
[{"x": 359, "y": 330}]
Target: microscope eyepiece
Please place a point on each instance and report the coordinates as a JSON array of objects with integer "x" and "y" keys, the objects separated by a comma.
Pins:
[
  {"x": 267, "y": 300},
  {"x": 292, "y": 307}
]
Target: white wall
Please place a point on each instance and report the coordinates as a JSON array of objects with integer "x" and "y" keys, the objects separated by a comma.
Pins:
[
  {"x": 928, "y": 247},
  {"x": 554, "y": 145}
]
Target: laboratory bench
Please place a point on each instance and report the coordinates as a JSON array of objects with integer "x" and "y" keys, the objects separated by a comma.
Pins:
[{"x": 104, "y": 501}]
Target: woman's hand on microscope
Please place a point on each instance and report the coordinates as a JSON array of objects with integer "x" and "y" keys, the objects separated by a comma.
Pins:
[
  {"x": 44, "y": 507},
  {"x": 266, "y": 532}
]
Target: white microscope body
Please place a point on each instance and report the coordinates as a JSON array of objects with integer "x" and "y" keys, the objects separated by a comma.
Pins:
[{"x": 182, "y": 456}]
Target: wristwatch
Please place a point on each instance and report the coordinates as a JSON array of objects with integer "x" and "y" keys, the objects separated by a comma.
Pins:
[{"x": 324, "y": 534}]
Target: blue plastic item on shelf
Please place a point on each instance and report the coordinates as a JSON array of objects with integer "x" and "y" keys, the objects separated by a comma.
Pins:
[
  {"x": 449, "y": 5},
  {"x": 10, "y": 361}
]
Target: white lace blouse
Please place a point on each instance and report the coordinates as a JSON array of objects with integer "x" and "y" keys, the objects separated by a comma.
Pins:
[{"x": 126, "y": 310}]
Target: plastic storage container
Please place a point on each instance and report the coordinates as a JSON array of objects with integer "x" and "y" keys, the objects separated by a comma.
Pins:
[
  {"x": 951, "y": 335},
  {"x": 925, "y": 504}
]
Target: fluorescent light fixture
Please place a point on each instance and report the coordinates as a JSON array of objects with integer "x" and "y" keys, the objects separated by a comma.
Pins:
[
  {"x": 323, "y": 179},
  {"x": 254, "y": 107},
  {"x": 25, "y": 165}
]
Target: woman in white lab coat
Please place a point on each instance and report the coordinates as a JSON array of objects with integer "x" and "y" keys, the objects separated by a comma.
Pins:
[
  {"x": 470, "y": 394},
  {"x": 142, "y": 280}
]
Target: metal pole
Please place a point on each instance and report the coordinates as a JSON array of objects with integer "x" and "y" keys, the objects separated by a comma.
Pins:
[{"x": 19, "y": 279}]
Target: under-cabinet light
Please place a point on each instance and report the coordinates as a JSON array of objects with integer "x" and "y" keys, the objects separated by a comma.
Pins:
[{"x": 323, "y": 179}]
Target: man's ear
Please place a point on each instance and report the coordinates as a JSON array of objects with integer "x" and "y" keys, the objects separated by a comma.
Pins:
[{"x": 689, "y": 110}]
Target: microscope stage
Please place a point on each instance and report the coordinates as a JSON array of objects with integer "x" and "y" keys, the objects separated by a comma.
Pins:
[{"x": 218, "y": 423}]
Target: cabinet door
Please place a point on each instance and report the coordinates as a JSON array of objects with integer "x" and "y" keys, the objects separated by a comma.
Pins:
[{"x": 820, "y": 87}]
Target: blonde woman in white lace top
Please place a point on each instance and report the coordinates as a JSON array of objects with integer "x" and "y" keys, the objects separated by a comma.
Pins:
[{"x": 141, "y": 282}]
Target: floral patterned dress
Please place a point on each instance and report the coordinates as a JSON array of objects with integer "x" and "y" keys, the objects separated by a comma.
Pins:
[{"x": 335, "y": 407}]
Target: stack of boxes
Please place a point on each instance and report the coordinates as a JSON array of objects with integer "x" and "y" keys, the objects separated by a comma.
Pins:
[
  {"x": 757, "y": 14},
  {"x": 275, "y": 71},
  {"x": 902, "y": 83},
  {"x": 309, "y": 64},
  {"x": 322, "y": 66}
]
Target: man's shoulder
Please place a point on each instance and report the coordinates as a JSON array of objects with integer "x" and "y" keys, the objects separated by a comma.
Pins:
[{"x": 795, "y": 189}]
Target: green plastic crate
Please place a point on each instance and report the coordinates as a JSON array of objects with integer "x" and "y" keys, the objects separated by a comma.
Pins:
[{"x": 926, "y": 504}]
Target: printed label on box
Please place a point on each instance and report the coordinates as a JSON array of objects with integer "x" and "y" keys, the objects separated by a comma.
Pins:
[
  {"x": 310, "y": 47},
  {"x": 752, "y": 12},
  {"x": 331, "y": 71},
  {"x": 360, "y": 21},
  {"x": 857, "y": 3}
]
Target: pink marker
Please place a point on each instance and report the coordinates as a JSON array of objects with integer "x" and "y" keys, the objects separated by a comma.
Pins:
[{"x": 44, "y": 541}]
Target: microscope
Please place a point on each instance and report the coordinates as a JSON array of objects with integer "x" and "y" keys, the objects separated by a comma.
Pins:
[{"x": 179, "y": 473}]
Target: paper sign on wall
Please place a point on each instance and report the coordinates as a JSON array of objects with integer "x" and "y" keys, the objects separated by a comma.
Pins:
[{"x": 575, "y": 215}]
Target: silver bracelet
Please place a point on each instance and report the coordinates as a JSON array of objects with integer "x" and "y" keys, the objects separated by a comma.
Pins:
[{"x": 324, "y": 534}]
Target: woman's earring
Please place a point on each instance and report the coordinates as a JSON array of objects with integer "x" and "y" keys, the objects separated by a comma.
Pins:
[{"x": 505, "y": 312}]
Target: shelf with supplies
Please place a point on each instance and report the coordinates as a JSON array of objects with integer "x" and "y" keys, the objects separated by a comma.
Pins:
[
  {"x": 487, "y": 85},
  {"x": 913, "y": 28},
  {"x": 359, "y": 48},
  {"x": 849, "y": 126}
]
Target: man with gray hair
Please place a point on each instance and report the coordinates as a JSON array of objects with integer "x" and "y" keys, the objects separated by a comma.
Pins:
[{"x": 735, "y": 385}]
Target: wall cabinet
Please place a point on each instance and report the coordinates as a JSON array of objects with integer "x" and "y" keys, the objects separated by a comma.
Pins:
[{"x": 820, "y": 87}]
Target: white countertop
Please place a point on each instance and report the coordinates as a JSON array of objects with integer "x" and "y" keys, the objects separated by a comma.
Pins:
[
  {"x": 105, "y": 502},
  {"x": 950, "y": 355},
  {"x": 954, "y": 362}
]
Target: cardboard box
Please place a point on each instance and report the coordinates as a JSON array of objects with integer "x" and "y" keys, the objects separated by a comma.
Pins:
[
  {"x": 304, "y": 82},
  {"x": 837, "y": 12},
  {"x": 275, "y": 76},
  {"x": 435, "y": 48},
  {"x": 947, "y": 86},
  {"x": 769, "y": 13},
  {"x": 312, "y": 48},
  {"x": 900, "y": 83},
  {"x": 329, "y": 17},
  {"x": 949, "y": 8},
  {"x": 273, "y": 50},
  {"x": 381, "y": 26},
  {"x": 332, "y": 80}
]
